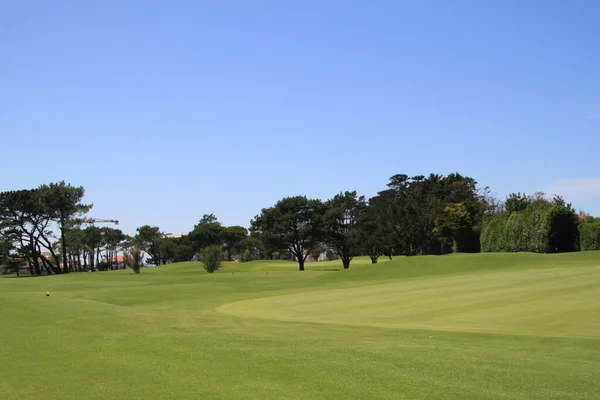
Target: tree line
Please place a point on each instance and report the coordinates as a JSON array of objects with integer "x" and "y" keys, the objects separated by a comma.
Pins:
[{"x": 45, "y": 228}]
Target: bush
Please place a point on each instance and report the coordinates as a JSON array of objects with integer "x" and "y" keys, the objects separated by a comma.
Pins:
[
  {"x": 248, "y": 255},
  {"x": 211, "y": 258},
  {"x": 331, "y": 256},
  {"x": 133, "y": 258},
  {"x": 103, "y": 266},
  {"x": 12, "y": 266},
  {"x": 589, "y": 236},
  {"x": 543, "y": 227}
]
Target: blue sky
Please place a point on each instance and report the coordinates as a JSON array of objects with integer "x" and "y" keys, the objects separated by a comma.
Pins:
[{"x": 167, "y": 110}]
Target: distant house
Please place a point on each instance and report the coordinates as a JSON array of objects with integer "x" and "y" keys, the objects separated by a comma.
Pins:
[
  {"x": 175, "y": 235},
  {"x": 116, "y": 261}
]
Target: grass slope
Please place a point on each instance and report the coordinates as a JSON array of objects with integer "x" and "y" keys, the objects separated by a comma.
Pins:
[{"x": 482, "y": 326}]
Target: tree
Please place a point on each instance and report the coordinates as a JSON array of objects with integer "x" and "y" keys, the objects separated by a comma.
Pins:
[
  {"x": 6, "y": 247},
  {"x": 376, "y": 233},
  {"x": 63, "y": 202},
  {"x": 428, "y": 215},
  {"x": 149, "y": 237},
  {"x": 454, "y": 218},
  {"x": 75, "y": 238},
  {"x": 211, "y": 258},
  {"x": 342, "y": 219},
  {"x": 517, "y": 202},
  {"x": 167, "y": 249},
  {"x": 25, "y": 218},
  {"x": 207, "y": 232},
  {"x": 233, "y": 239},
  {"x": 112, "y": 240},
  {"x": 92, "y": 239},
  {"x": 133, "y": 258},
  {"x": 9, "y": 262},
  {"x": 258, "y": 246},
  {"x": 293, "y": 223},
  {"x": 248, "y": 255},
  {"x": 13, "y": 265}
]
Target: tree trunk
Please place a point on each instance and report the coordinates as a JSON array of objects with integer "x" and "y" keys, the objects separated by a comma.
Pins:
[
  {"x": 346, "y": 262},
  {"x": 301, "y": 263},
  {"x": 92, "y": 261},
  {"x": 34, "y": 258},
  {"x": 63, "y": 242},
  {"x": 45, "y": 265},
  {"x": 373, "y": 258},
  {"x": 56, "y": 267}
]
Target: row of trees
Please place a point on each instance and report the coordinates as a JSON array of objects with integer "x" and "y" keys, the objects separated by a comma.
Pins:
[
  {"x": 45, "y": 229},
  {"x": 33, "y": 221},
  {"x": 416, "y": 215},
  {"x": 207, "y": 232}
]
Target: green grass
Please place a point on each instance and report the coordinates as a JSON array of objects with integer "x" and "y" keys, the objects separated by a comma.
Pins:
[{"x": 482, "y": 326}]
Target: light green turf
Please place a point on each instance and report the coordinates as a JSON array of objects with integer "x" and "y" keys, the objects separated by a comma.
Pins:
[
  {"x": 484, "y": 326},
  {"x": 559, "y": 302}
]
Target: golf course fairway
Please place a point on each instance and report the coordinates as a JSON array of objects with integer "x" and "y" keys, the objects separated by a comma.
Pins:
[{"x": 480, "y": 326}]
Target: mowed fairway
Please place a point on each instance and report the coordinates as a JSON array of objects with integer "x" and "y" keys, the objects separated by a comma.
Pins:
[
  {"x": 482, "y": 326},
  {"x": 553, "y": 302}
]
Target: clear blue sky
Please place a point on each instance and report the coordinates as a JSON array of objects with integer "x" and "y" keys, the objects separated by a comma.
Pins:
[{"x": 167, "y": 110}]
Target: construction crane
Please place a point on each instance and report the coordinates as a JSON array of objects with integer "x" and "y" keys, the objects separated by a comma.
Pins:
[{"x": 94, "y": 220}]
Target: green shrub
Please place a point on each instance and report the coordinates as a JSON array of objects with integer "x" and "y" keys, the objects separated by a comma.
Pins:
[
  {"x": 248, "y": 255},
  {"x": 331, "y": 256},
  {"x": 211, "y": 258},
  {"x": 543, "y": 227},
  {"x": 134, "y": 259},
  {"x": 589, "y": 236}
]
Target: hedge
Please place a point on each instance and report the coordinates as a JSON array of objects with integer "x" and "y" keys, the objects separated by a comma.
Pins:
[
  {"x": 536, "y": 229},
  {"x": 589, "y": 236}
]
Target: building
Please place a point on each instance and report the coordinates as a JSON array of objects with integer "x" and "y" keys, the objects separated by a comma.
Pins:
[{"x": 175, "y": 235}]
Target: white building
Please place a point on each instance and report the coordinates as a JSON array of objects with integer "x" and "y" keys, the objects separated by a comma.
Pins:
[{"x": 174, "y": 235}]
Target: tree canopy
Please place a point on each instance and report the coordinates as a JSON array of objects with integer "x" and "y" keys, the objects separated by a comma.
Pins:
[{"x": 293, "y": 223}]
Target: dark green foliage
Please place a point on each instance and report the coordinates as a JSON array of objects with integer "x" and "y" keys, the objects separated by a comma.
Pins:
[
  {"x": 589, "y": 235},
  {"x": 343, "y": 219},
  {"x": 233, "y": 238},
  {"x": 295, "y": 224},
  {"x": 207, "y": 232},
  {"x": 64, "y": 203},
  {"x": 6, "y": 247},
  {"x": 12, "y": 266},
  {"x": 149, "y": 237},
  {"x": 92, "y": 240},
  {"x": 112, "y": 240},
  {"x": 542, "y": 227},
  {"x": 517, "y": 202},
  {"x": 426, "y": 215},
  {"x": 211, "y": 258},
  {"x": 103, "y": 266},
  {"x": 331, "y": 256},
  {"x": 248, "y": 255}
]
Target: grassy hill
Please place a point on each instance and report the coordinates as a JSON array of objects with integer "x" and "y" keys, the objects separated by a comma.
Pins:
[{"x": 481, "y": 326}]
